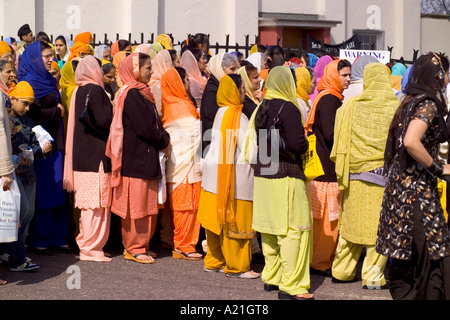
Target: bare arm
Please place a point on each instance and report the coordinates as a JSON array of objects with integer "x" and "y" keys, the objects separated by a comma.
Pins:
[{"x": 414, "y": 146}]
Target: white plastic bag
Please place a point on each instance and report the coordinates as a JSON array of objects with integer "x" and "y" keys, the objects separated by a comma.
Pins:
[
  {"x": 9, "y": 213},
  {"x": 42, "y": 135},
  {"x": 162, "y": 188}
]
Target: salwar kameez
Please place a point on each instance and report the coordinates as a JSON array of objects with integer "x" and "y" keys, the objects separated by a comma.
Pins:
[
  {"x": 282, "y": 214},
  {"x": 136, "y": 202},
  {"x": 92, "y": 195},
  {"x": 229, "y": 245},
  {"x": 184, "y": 206}
]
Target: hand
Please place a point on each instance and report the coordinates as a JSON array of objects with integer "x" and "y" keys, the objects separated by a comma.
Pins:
[
  {"x": 167, "y": 150},
  {"x": 259, "y": 95},
  {"x": 446, "y": 169},
  {"x": 62, "y": 109},
  {"x": 47, "y": 147},
  {"x": 7, "y": 181}
]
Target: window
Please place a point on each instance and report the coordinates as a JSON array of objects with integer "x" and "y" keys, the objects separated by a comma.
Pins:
[{"x": 370, "y": 39}]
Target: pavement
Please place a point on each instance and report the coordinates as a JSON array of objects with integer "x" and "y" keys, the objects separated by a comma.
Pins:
[{"x": 63, "y": 277}]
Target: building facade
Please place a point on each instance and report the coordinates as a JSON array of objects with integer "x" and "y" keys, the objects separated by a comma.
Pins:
[{"x": 379, "y": 24}]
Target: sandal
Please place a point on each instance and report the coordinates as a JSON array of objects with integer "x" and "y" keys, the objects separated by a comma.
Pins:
[
  {"x": 244, "y": 275},
  {"x": 137, "y": 258},
  {"x": 85, "y": 257},
  {"x": 286, "y": 296},
  {"x": 186, "y": 255}
]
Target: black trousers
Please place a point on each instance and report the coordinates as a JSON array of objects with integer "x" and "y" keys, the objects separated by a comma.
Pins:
[{"x": 419, "y": 278}]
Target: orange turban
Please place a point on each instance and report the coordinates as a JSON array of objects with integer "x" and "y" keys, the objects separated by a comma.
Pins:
[
  {"x": 55, "y": 65},
  {"x": 84, "y": 37},
  {"x": 22, "y": 91},
  {"x": 77, "y": 48},
  {"x": 4, "y": 47}
]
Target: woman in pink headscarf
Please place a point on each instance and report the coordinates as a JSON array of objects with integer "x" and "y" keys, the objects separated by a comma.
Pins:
[
  {"x": 135, "y": 140},
  {"x": 88, "y": 177},
  {"x": 195, "y": 66},
  {"x": 161, "y": 64},
  {"x": 319, "y": 69}
]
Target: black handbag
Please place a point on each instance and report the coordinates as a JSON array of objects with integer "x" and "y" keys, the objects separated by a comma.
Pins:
[
  {"x": 87, "y": 119},
  {"x": 283, "y": 149}
]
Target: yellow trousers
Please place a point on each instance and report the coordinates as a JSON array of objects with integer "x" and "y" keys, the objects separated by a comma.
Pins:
[
  {"x": 347, "y": 257},
  {"x": 287, "y": 260},
  {"x": 233, "y": 255}
]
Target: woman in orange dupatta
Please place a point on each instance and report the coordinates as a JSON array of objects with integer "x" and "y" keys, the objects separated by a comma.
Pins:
[
  {"x": 161, "y": 63},
  {"x": 182, "y": 121},
  {"x": 226, "y": 201},
  {"x": 325, "y": 196},
  {"x": 135, "y": 140},
  {"x": 89, "y": 177}
]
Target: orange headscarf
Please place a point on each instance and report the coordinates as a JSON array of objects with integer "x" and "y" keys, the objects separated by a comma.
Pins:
[
  {"x": 115, "y": 48},
  {"x": 4, "y": 48},
  {"x": 88, "y": 72},
  {"x": 228, "y": 95},
  {"x": 129, "y": 72},
  {"x": 176, "y": 103},
  {"x": 77, "y": 48},
  {"x": 330, "y": 83},
  {"x": 118, "y": 58},
  {"x": 84, "y": 37}
]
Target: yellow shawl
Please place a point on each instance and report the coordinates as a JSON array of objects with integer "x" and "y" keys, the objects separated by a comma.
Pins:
[
  {"x": 362, "y": 126},
  {"x": 228, "y": 95}
]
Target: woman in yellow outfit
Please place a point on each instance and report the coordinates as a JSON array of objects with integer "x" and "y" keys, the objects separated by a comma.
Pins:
[
  {"x": 361, "y": 131},
  {"x": 225, "y": 208},
  {"x": 281, "y": 210}
]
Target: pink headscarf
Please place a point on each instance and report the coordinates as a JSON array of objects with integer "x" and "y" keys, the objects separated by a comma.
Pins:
[
  {"x": 161, "y": 63},
  {"x": 319, "y": 69},
  {"x": 190, "y": 64},
  {"x": 129, "y": 72},
  {"x": 142, "y": 48},
  {"x": 88, "y": 72}
]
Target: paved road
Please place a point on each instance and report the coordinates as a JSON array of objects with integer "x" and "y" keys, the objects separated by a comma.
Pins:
[{"x": 170, "y": 283}]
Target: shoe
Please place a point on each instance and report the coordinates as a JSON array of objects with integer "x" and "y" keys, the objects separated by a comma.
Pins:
[
  {"x": 270, "y": 287},
  {"x": 27, "y": 266},
  {"x": 383, "y": 287},
  {"x": 244, "y": 275},
  {"x": 286, "y": 296},
  {"x": 185, "y": 255},
  {"x": 334, "y": 280},
  {"x": 135, "y": 257}
]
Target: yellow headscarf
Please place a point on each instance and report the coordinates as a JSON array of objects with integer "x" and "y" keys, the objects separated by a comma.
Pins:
[
  {"x": 228, "y": 95},
  {"x": 279, "y": 85},
  {"x": 254, "y": 49},
  {"x": 22, "y": 91},
  {"x": 165, "y": 40},
  {"x": 68, "y": 84},
  {"x": 362, "y": 126},
  {"x": 248, "y": 85},
  {"x": 303, "y": 84}
]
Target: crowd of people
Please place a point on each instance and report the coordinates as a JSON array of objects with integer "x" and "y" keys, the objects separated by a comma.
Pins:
[{"x": 170, "y": 138}]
